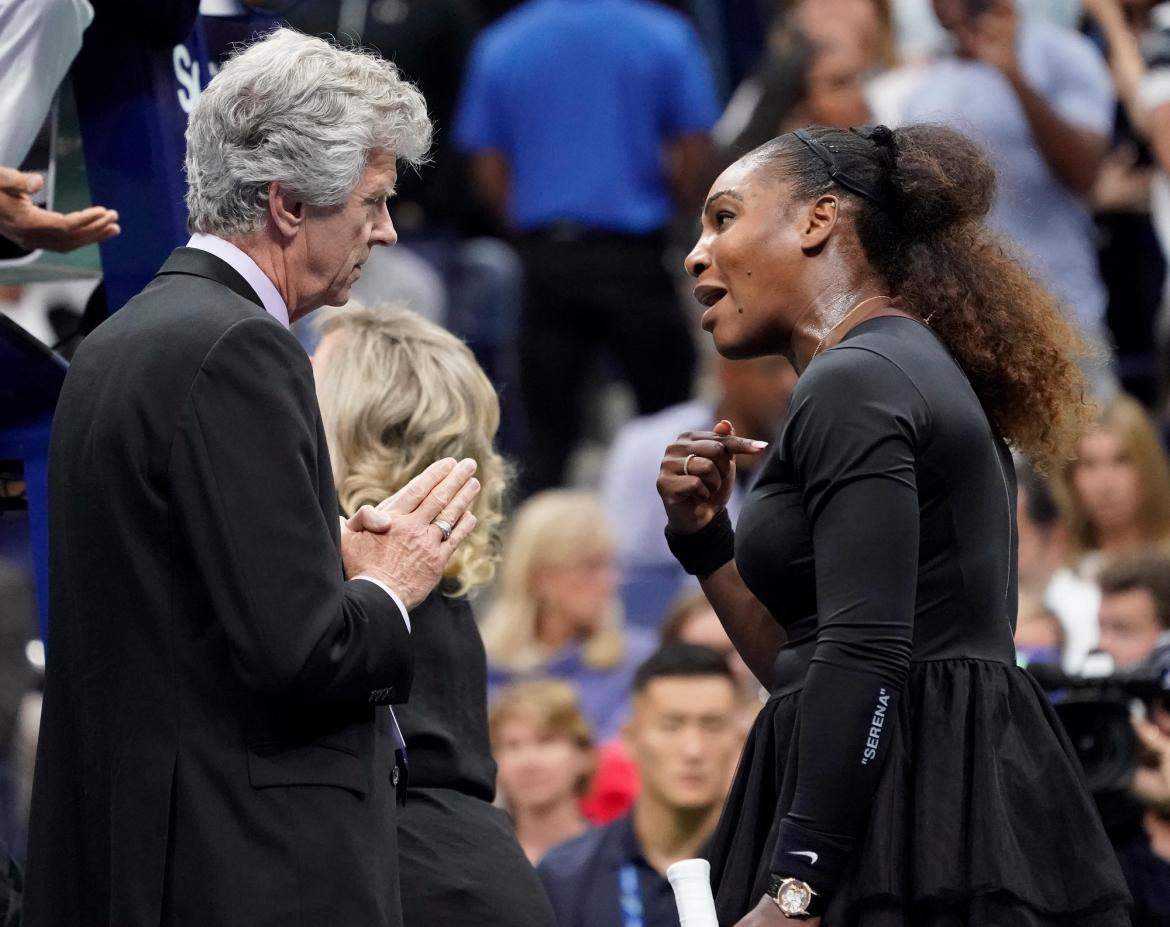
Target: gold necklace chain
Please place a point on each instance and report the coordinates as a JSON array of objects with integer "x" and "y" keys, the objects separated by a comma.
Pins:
[{"x": 848, "y": 315}]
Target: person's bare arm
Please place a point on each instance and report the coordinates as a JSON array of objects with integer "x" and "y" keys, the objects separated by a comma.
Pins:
[
  {"x": 755, "y": 633},
  {"x": 1125, "y": 57},
  {"x": 493, "y": 181}
]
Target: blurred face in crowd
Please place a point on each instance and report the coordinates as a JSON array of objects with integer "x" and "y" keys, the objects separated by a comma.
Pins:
[
  {"x": 1039, "y": 636},
  {"x": 537, "y": 767},
  {"x": 683, "y": 736},
  {"x": 1107, "y": 482},
  {"x": 835, "y": 85},
  {"x": 704, "y": 628},
  {"x": 581, "y": 591},
  {"x": 1129, "y": 627},
  {"x": 1041, "y": 547},
  {"x": 332, "y": 243},
  {"x": 748, "y": 257}
]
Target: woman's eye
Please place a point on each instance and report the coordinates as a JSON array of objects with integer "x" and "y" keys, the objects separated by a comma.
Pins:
[{"x": 722, "y": 217}]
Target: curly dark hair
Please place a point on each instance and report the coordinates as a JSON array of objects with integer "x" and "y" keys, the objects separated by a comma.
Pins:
[{"x": 922, "y": 230}]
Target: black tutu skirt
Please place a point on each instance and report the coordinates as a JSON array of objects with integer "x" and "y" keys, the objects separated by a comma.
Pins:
[{"x": 981, "y": 816}]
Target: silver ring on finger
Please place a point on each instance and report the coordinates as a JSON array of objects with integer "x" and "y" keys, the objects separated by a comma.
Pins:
[
  {"x": 445, "y": 528},
  {"x": 687, "y": 464}
]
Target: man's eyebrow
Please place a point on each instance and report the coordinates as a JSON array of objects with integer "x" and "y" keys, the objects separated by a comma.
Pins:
[{"x": 718, "y": 193}]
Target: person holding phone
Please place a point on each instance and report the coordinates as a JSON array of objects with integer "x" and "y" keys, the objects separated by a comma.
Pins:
[{"x": 1038, "y": 97}]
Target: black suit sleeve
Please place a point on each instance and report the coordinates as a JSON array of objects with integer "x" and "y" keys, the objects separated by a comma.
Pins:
[
  {"x": 245, "y": 475},
  {"x": 852, "y": 436}
]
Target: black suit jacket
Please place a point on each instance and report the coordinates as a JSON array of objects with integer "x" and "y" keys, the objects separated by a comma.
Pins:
[{"x": 211, "y": 753}]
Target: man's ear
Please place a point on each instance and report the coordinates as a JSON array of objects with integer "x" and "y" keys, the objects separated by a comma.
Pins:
[
  {"x": 820, "y": 219},
  {"x": 286, "y": 210}
]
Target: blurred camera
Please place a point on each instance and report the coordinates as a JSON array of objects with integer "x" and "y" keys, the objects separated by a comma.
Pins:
[{"x": 1096, "y": 713}]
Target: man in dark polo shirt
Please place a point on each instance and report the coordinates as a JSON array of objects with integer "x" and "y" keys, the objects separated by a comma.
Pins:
[{"x": 684, "y": 738}]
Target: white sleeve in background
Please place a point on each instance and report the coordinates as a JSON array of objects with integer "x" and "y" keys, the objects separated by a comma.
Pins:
[
  {"x": 38, "y": 41},
  {"x": 390, "y": 592}
]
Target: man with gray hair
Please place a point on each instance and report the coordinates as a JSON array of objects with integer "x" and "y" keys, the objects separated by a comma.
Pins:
[{"x": 217, "y": 746}]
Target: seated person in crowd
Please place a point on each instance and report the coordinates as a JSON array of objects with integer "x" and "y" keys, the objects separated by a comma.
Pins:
[
  {"x": 1135, "y": 608},
  {"x": 556, "y": 611},
  {"x": 692, "y": 620},
  {"x": 545, "y": 759},
  {"x": 684, "y": 737},
  {"x": 1047, "y": 584},
  {"x": 1039, "y": 635},
  {"x": 1116, "y": 488},
  {"x": 397, "y": 391},
  {"x": 800, "y": 81},
  {"x": 753, "y": 396}
]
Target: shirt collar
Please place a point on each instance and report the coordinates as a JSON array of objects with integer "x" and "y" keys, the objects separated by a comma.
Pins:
[
  {"x": 274, "y": 303},
  {"x": 623, "y": 847}
]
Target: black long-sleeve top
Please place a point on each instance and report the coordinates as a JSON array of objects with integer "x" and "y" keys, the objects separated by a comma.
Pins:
[{"x": 881, "y": 532}]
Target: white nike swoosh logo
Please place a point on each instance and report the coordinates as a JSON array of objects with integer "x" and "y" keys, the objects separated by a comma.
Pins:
[{"x": 812, "y": 857}]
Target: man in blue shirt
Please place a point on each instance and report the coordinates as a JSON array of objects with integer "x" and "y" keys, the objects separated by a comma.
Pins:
[
  {"x": 586, "y": 122},
  {"x": 684, "y": 738}
]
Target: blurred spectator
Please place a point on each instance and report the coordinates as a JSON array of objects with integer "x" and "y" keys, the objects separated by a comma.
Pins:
[
  {"x": 557, "y": 612},
  {"x": 1040, "y": 99},
  {"x": 397, "y": 392},
  {"x": 800, "y": 82},
  {"x": 545, "y": 756},
  {"x": 585, "y": 123},
  {"x": 753, "y": 396},
  {"x": 1116, "y": 489},
  {"x": 1039, "y": 636},
  {"x": 869, "y": 21},
  {"x": 1145, "y": 859},
  {"x": 1135, "y": 608},
  {"x": 684, "y": 738},
  {"x": 1047, "y": 584},
  {"x": 692, "y": 620},
  {"x": 1132, "y": 261},
  {"x": 38, "y": 41}
]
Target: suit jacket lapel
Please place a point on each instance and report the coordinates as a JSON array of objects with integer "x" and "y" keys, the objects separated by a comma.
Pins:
[{"x": 198, "y": 263}]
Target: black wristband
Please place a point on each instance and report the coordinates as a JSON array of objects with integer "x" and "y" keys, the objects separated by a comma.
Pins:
[{"x": 705, "y": 551}]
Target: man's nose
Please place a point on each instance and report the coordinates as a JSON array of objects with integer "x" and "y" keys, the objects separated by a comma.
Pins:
[{"x": 384, "y": 231}]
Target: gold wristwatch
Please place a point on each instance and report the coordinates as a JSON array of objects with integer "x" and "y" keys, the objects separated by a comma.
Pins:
[{"x": 792, "y": 896}]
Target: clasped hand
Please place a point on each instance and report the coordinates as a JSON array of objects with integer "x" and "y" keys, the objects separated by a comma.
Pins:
[{"x": 399, "y": 542}]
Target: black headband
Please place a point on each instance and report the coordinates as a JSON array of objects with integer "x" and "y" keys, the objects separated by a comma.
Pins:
[{"x": 837, "y": 175}]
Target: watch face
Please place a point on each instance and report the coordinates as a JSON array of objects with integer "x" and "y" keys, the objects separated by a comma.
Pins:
[{"x": 794, "y": 897}]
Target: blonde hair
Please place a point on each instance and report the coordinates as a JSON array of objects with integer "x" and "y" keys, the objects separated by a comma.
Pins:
[
  {"x": 1125, "y": 417},
  {"x": 396, "y": 393},
  {"x": 556, "y": 528},
  {"x": 552, "y": 704}
]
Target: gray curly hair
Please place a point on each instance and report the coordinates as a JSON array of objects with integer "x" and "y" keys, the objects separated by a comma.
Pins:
[{"x": 301, "y": 111}]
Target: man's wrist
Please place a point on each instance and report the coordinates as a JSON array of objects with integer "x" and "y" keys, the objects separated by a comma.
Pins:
[{"x": 390, "y": 592}]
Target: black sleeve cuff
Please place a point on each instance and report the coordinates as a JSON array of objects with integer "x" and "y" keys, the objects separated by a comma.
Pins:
[
  {"x": 705, "y": 551},
  {"x": 814, "y": 858}
]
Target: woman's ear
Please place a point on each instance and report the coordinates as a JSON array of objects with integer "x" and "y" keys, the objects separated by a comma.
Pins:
[{"x": 820, "y": 220}]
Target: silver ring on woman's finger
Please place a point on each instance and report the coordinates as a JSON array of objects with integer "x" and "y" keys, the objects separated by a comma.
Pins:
[
  {"x": 444, "y": 527},
  {"x": 687, "y": 464}
]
